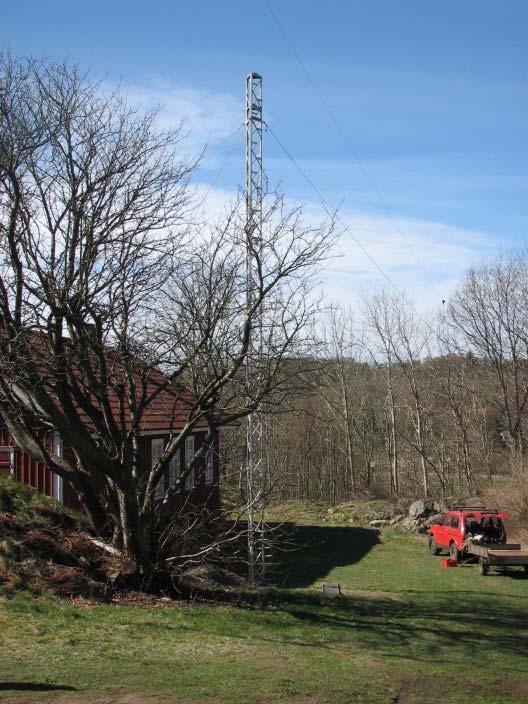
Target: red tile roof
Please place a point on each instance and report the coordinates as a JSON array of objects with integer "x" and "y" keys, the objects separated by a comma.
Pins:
[{"x": 168, "y": 410}]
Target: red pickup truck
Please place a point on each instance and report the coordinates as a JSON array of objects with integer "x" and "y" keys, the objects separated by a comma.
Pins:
[{"x": 463, "y": 522}]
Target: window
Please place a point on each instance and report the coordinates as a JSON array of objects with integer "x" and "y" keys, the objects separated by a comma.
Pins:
[
  {"x": 157, "y": 448},
  {"x": 56, "y": 446},
  {"x": 57, "y": 488},
  {"x": 189, "y": 454},
  {"x": 174, "y": 469},
  {"x": 454, "y": 522},
  {"x": 7, "y": 460},
  {"x": 209, "y": 464}
]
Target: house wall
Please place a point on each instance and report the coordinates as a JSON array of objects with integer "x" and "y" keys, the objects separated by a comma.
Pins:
[
  {"x": 36, "y": 474},
  {"x": 201, "y": 494},
  {"x": 26, "y": 469}
]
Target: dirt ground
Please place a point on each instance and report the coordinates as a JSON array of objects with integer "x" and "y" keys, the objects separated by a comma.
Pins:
[{"x": 61, "y": 697}]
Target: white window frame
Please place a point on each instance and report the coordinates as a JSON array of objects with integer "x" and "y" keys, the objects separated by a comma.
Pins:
[
  {"x": 57, "y": 484},
  {"x": 8, "y": 450},
  {"x": 175, "y": 469},
  {"x": 189, "y": 454},
  {"x": 209, "y": 464},
  {"x": 157, "y": 448}
]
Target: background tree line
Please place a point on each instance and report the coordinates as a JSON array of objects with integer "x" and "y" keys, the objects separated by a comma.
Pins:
[{"x": 396, "y": 403}]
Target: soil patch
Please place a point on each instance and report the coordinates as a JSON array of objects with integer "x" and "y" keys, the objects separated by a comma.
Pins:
[
  {"x": 58, "y": 697},
  {"x": 52, "y": 552}
]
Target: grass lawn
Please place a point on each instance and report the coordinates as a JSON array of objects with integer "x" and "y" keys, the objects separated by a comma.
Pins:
[{"x": 406, "y": 631}]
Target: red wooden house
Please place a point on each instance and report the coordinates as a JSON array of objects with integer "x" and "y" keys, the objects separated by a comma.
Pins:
[{"x": 166, "y": 415}]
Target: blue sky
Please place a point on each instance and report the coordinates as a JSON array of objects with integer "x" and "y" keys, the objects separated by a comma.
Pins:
[{"x": 432, "y": 97}]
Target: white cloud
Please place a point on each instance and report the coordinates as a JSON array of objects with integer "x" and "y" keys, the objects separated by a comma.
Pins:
[
  {"x": 427, "y": 262},
  {"x": 208, "y": 117},
  {"x": 425, "y": 258}
]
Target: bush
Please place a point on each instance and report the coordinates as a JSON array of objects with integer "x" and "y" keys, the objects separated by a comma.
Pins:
[{"x": 511, "y": 494}]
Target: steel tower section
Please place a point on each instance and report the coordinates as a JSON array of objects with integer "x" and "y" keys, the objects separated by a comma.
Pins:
[{"x": 256, "y": 430}]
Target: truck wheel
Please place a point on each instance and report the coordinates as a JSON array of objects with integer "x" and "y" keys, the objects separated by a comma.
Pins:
[
  {"x": 453, "y": 550},
  {"x": 483, "y": 566},
  {"x": 433, "y": 547}
]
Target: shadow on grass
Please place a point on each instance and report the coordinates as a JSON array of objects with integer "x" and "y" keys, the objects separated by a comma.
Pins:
[
  {"x": 34, "y": 687},
  {"x": 431, "y": 626},
  {"x": 313, "y": 551},
  {"x": 302, "y": 554},
  {"x": 415, "y": 630}
]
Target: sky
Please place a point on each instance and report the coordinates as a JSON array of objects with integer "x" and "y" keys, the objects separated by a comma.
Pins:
[{"x": 425, "y": 148}]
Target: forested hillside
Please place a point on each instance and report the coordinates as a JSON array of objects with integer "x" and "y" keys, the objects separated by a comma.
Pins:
[{"x": 394, "y": 402}]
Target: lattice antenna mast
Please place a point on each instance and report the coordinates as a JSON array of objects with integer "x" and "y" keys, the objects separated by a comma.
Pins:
[{"x": 256, "y": 432}]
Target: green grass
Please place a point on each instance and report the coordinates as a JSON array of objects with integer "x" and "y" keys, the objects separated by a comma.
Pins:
[
  {"x": 357, "y": 512},
  {"x": 24, "y": 502},
  {"x": 407, "y": 630}
]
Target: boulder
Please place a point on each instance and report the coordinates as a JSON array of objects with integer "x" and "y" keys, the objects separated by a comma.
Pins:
[
  {"x": 422, "y": 507},
  {"x": 408, "y": 524},
  {"x": 434, "y": 520},
  {"x": 413, "y": 525},
  {"x": 378, "y": 522},
  {"x": 417, "y": 508}
]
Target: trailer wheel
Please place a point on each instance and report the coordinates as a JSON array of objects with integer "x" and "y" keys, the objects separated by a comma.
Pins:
[
  {"x": 483, "y": 566},
  {"x": 454, "y": 552},
  {"x": 433, "y": 547}
]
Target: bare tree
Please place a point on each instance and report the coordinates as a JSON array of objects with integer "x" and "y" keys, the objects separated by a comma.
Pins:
[
  {"x": 453, "y": 382},
  {"x": 394, "y": 321},
  {"x": 381, "y": 322},
  {"x": 489, "y": 315},
  {"x": 109, "y": 291},
  {"x": 337, "y": 381}
]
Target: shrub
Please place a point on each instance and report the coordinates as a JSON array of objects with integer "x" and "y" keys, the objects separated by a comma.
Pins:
[{"x": 511, "y": 494}]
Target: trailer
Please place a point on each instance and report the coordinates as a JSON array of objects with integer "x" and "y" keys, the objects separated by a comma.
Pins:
[{"x": 497, "y": 555}]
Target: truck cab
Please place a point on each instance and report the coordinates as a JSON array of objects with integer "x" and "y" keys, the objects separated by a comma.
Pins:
[{"x": 461, "y": 523}]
